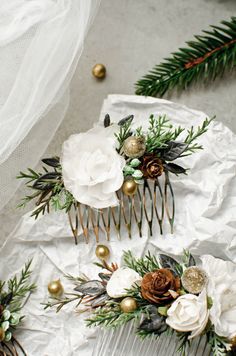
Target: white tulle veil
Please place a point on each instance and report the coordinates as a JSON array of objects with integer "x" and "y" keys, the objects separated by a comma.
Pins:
[{"x": 40, "y": 44}]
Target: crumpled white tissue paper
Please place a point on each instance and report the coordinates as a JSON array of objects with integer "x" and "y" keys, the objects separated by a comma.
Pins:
[{"x": 205, "y": 223}]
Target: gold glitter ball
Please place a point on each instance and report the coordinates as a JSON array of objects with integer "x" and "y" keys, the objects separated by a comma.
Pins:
[
  {"x": 134, "y": 146},
  {"x": 194, "y": 279}
]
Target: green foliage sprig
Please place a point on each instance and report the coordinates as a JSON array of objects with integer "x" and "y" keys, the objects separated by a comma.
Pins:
[
  {"x": 142, "y": 265},
  {"x": 209, "y": 56},
  {"x": 19, "y": 287},
  {"x": 48, "y": 188},
  {"x": 219, "y": 344},
  {"x": 13, "y": 295},
  {"x": 112, "y": 317}
]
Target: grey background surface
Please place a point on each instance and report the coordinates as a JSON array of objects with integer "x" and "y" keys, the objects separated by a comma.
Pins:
[{"x": 130, "y": 37}]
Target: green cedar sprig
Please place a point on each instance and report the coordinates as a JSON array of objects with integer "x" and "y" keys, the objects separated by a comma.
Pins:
[
  {"x": 160, "y": 132},
  {"x": 112, "y": 317},
  {"x": 18, "y": 287},
  {"x": 142, "y": 265},
  {"x": 219, "y": 344}
]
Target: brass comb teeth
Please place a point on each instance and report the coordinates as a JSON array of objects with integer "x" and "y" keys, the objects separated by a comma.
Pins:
[{"x": 153, "y": 201}]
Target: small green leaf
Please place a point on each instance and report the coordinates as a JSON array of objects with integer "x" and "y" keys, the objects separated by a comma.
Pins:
[
  {"x": 135, "y": 163},
  {"x": 137, "y": 174},
  {"x": 162, "y": 310},
  {"x": 209, "y": 302}
]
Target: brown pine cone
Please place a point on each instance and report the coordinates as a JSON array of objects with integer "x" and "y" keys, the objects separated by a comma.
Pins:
[
  {"x": 151, "y": 166},
  {"x": 156, "y": 286}
]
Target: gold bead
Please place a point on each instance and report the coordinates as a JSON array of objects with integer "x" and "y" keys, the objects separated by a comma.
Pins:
[
  {"x": 233, "y": 342},
  {"x": 2, "y": 334},
  {"x": 55, "y": 288},
  {"x": 128, "y": 305},
  {"x": 134, "y": 147},
  {"x": 102, "y": 252},
  {"x": 99, "y": 71},
  {"x": 129, "y": 187}
]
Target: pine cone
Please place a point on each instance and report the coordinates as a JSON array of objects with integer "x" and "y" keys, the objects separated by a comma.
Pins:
[
  {"x": 151, "y": 166},
  {"x": 156, "y": 286}
]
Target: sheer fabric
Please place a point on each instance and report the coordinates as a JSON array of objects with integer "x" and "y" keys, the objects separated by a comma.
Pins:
[{"x": 40, "y": 44}]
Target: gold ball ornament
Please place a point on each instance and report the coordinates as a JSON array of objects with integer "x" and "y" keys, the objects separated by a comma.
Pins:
[
  {"x": 2, "y": 334},
  {"x": 99, "y": 71},
  {"x": 128, "y": 305},
  {"x": 55, "y": 288},
  {"x": 102, "y": 252},
  {"x": 233, "y": 343},
  {"x": 134, "y": 147},
  {"x": 129, "y": 187}
]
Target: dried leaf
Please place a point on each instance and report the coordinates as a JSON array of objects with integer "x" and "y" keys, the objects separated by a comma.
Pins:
[
  {"x": 169, "y": 262},
  {"x": 154, "y": 323},
  {"x": 92, "y": 288},
  {"x": 6, "y": 299},
  {"x": 174, "y": 168},
  {"x": 100, "y": 300},
  {"x": 43, "y": 183},
  {"x": 52, "y": 162},
  {"x": 104, "y": 276},
  {"x": 174, "y": 150},
  {"x": 191, "y": 261},
  {"x": 127, "y": 118},
  {"x": 107, "y": 120}
]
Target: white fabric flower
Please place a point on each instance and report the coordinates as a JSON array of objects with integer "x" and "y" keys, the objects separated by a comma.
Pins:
[
  {"x": 91, "y": 167},
  {"x": 189, "y": 313},
  {"x": 122, "y": 279},
  {"x": 222, "y": 289}
]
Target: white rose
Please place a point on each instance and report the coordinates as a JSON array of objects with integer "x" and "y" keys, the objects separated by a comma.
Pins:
[
  {"x": 189, "y": 313},
  {"x": 222, "y": 289},
  {"x": 108, "y": 132},
  {"x": 122, "y": 279},
  {"x": 92, "y": 169}
]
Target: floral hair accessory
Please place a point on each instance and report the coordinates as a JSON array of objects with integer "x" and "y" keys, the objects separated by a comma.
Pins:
[
  {"x": 150, "y": 291},
  {"x": 115, "y": 176}
]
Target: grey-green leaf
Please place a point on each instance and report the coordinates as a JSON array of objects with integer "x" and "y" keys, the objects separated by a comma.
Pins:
[
  {"x": 174, "y": 150},
  {"x": 92, "y": 288}
]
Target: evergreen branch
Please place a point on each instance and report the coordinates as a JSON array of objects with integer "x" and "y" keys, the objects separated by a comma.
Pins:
[
  {"x": 141, "y": 265},
  {"x": 219, "y": 344},
  {"x": 112, "y": 317},
  {"x": 204, "y": 59},
  {"x": 160, "y": 133},
  {"x": 20, "y": 287},
  {"x": 59, "y": 303},
  {"x": 194, "y": 135},
  {"x": 31, "y": 175}
]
